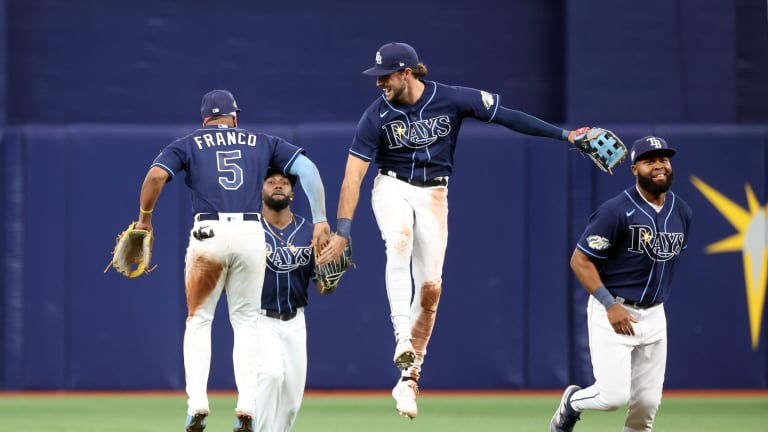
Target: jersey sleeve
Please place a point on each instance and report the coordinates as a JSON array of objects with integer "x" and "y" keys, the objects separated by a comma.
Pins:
[
  {"x": 367, "y": 134},
  {"x": 172, "y": 158},
  {"x": 600, "y": 235},
  {"x": 478, "y": 104},
  {"x": 284, "y": 153}
]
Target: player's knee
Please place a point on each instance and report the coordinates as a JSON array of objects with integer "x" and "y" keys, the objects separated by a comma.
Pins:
[
  {"x": 430, "y": 295},
  {"x": 270, "y": 376},
  {"x": 401, "y": 243},
  {"x": 613, "y": 399}
]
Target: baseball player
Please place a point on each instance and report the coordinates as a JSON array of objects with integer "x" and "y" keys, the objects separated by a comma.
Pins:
[
  {"x": 626, "y": 259},
  {"x": 410, "y": 131},
  {"x": 225, "y": 168},
  {"x": 282, "y": 358}
]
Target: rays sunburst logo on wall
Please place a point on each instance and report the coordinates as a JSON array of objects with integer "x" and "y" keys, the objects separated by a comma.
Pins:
[{"x": 751, "y": 239}]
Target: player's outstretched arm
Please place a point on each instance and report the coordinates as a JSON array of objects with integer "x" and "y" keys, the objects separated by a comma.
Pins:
[
  {"x": 527, "y": 124},
  {"x": 348, "y": 199},
  {"x": 310, "y": 179},
  {"x": 312, "y": 184}
]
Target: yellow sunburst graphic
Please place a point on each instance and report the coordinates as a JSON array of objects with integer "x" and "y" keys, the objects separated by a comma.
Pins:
[{"x": 751, "y": 240}]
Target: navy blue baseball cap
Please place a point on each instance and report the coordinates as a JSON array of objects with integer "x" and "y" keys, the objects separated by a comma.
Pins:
[
  {"x": 272, "y": 171},
  {"x": 218, "y": 102},
  {"x": 393, "y": 57},
  {"x": 650, "y": 144}
]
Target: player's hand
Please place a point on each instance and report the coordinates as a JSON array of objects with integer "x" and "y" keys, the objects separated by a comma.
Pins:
[
  {"x": 143, "y": 226},
  {"x": 320, "y": 235},
  {"x": 621, "y": 320},
  {"x": 577, "y": 134},
  {"x": 332, "y": 250}
]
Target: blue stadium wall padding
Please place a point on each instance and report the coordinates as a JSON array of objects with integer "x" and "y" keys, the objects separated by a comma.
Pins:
[{"x": 517, "y": 207}]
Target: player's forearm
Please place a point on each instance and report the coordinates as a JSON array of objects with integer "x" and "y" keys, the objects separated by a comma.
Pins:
[
  {"x": 588, "y": 276},
  {"x": 585, "y": 271},
  {"x": 150, "y": 193},
  {"x": 350, "y": 194},
  {"x": 528, "y": 124},
  {"x": 350, "y": 186},
  {"x": 348, "y": 199},
  {"x": 313, "y": 187}
]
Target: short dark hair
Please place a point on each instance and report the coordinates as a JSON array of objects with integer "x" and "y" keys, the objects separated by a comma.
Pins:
[{"x": 272, "y": 171}]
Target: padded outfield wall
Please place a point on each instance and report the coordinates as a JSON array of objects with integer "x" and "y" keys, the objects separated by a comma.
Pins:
[{"x": 510, "y": 302}]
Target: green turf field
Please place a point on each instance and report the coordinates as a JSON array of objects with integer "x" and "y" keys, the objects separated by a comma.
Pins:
[{"x": 369, "y": 413}]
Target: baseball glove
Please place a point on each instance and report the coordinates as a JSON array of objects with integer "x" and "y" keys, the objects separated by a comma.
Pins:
[
  {"x": 329, "y": 274},
  {"x": 133, "y": 252},
  {"x": 602, "y": 146}
]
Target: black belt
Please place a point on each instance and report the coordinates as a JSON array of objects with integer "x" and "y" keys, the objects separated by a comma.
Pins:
[
  {"x": 437, "y": 181},
  {"x": 281, "y": 316},
  {"x": 635, "y": 304},
  {"x": 215, "y": 216}
]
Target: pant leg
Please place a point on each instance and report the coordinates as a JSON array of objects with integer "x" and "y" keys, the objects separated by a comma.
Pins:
[
  {"x": 394, "y": 216},
  {"x": 611, "y": 356},
  {"x": 282, "y": 365},
  {"x": 295, "y": 342},
  {"x": 270, "y": 362},
  {"x": 430, "y": 241},
  {"x": 205, "y": 272},
  {"x": 244, "y": 285},
  {"x": 648, "y": 367}
]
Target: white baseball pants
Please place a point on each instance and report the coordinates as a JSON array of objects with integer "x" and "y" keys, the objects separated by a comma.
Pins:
[
  {"x": 282, "y": 372},
  {"x": 414, "y": 225},
  {"x": 628, "y": 369},
  {"x": 234, "y": 259}
]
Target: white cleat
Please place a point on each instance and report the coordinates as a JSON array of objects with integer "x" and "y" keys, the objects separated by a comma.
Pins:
[
  {"x": 404, "y": 354},
  {"x": 405, "y": 396}
]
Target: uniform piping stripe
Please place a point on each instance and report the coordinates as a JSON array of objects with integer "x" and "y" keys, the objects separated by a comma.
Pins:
[
  {"x": 495, "y": 110},
  {"x": 588, "y": 252},
  {"x": 360, "y": 155},
  {"x": 421, "y": 117},
  {"x": 168, "y": 170},
  {"x": 293, "y": 158}
]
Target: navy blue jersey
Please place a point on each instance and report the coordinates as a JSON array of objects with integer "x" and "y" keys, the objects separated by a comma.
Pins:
[
  {"x": 418, "y": 141},
  {"x": 290, "y": 266},
  {"x": 226, "y": 166},
  {"x": 634, "y": 248}
]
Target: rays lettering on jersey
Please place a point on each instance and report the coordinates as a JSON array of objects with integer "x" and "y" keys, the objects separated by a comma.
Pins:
[
  {"x": 224, "y": 138},
  {"x": 661, "y": 247},
  {"x": 421, "y": 133},
  {"x": 282, "y": 260}
]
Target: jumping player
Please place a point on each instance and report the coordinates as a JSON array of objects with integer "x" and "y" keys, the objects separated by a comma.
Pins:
[
  {"x": 282, "y": 357},
  {"x": 225, "y": 168},
  {"x": 410, "y": 132},
  {"x": 626, "y": 259}
]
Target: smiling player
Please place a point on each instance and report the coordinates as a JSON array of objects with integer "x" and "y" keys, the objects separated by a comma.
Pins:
[{"x": 410, "y": 131}]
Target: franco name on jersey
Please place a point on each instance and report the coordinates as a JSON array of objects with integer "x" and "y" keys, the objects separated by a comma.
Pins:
[{"x": 225, "y": 138}]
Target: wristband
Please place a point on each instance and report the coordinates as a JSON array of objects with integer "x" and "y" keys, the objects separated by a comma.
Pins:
[
  {"x": 344, "y": 227},
  {"x": 604, "y": 296},
  {"x": 146, "y": 211}
]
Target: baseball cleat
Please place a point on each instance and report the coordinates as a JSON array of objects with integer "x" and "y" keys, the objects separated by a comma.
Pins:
[
  {"x": 243, "y": 423},
  {"x": 404, "y": 353},
  {"x": 195, "y": 423},
  {"x": 404, "y": 394},
  {"x": 565, "y": 417}
]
